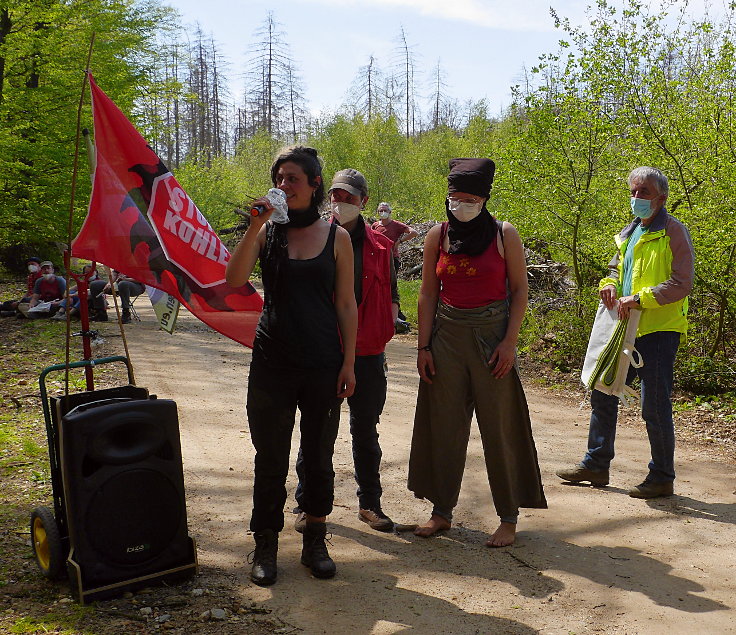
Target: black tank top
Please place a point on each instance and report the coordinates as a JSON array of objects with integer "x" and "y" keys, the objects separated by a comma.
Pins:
[{"x": 298, "y": 327}]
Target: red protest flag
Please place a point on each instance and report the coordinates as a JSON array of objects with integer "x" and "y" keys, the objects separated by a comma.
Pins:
[{"x": 142, "y": 222}]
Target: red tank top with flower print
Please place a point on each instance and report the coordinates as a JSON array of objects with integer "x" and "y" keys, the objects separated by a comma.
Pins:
[{"x": 467, "y": 282}]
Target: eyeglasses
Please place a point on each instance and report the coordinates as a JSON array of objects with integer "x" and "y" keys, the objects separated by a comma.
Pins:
[{"x": 473, "y": 200}]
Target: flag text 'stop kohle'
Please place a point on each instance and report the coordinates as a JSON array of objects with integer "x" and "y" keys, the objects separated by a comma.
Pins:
[{"x": 143, "y": 223}]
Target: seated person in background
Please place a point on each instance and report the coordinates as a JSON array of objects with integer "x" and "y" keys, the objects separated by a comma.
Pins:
[
  {"x": 48, "y": 288},
  {"x": 127, "y": 288},
  {"x": 9, "y": 308},
  {"x": 95, "y": 298}
]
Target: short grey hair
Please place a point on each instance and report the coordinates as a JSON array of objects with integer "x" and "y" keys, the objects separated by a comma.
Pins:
[
  {"x": 657, "y": 177},
  {"x": 384, "y": 204}
]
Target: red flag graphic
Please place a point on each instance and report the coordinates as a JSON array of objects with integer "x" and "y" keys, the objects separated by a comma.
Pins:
[{"x": 142, "y": 222}]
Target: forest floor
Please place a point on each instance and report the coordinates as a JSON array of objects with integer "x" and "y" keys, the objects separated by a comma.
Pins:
[{"x": 596, "y": 561}]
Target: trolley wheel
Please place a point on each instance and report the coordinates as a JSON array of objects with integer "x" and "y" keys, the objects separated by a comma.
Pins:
[{"x": 46, "y": 541}]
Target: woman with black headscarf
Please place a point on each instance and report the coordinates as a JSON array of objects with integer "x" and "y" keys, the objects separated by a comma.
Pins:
[
  {"x": 471, "y": 306},
  {"x": 303, "y": 356}
]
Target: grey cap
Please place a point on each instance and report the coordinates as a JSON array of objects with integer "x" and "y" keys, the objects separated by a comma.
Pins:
[
  {"x": 351, "y": 181},
  {"x": 47, "y": 263}
]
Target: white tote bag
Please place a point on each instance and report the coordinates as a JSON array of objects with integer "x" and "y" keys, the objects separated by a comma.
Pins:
[{"x": 610, "y": 353}]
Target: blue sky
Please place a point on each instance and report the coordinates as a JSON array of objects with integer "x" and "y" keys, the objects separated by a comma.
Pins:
[{"x": 483, "y": 45}]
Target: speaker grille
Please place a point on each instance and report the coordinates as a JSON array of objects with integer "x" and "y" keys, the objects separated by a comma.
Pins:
[{"x": 133, "y": 516}]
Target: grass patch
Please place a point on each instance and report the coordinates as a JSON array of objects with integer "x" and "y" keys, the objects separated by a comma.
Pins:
[
  {"x": 27, "y": 347},
  {"x": 61, "y": 623},
  {"x": 409, "y": 295}
]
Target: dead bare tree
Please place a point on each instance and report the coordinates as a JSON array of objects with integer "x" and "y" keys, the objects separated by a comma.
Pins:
[
  {"x": 274, "y": 99},
  {"x": 365, "y": 92},
  {"x": 205, "y": 124},
  {"x": 444, "y": 111},
  {"x": 298, "y": 115},
  {"x": 173, "y": 150},
  {"x": 405, "y": 67}
]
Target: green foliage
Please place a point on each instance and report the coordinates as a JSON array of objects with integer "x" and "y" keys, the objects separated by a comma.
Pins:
[
  {"x": 559, "y": 335},
  {"x": 42, "y": 56},
  {"x": 705, "y": 375},
  {"x": 409, "y": 296},
  {"x": 630, "y": 87}
]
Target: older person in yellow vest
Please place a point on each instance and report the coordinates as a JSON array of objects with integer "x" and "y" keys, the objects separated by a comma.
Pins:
[{"x": 652, "y": 271}]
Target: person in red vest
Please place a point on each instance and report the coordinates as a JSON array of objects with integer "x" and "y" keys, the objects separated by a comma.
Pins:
[
  {"x": 34, "y": 273},
  {"x": 48, "y": 288},
  {"x": 9, "y": 307},
  {"x": 376, "y": 294}
]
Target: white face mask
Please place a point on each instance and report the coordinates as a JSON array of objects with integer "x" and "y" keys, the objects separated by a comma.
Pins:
[
  {"x": 384, "y": 214},
  {"x": 33, "y": 268},
  {"x": 345, "y": 212},
  {"x": 49, "y": 276},
  {"x": 464, "y": 212}
]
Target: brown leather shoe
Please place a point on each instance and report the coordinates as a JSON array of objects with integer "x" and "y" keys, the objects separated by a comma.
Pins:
[
  {"x": 580, "y": 474},
  {"x": 647, "y": 489},
  {"x": 376, "y": 519}
]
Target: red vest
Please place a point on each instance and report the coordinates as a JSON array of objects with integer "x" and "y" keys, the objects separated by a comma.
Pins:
[
  {"x": 375, "y": 322},
  {"x": 50, "y": 290},
  {"x": 32, "y": 277}
]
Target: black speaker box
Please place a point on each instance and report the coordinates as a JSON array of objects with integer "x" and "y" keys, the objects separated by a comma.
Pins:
[{"x": 124, "y": 496}]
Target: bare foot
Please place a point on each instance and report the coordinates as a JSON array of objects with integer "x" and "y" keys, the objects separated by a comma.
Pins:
[
  {"x": 503, "y": 536},
  {"x": 432, "y": 526}
]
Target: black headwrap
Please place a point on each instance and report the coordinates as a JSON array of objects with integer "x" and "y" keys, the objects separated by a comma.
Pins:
[{"x": 471, "y": 176}]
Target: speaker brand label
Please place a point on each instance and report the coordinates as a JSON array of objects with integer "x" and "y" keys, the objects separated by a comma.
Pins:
[{"x": 137, "y": 548}]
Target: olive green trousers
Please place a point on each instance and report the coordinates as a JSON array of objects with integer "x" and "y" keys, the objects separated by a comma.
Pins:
[{"x": 463, "y": 341}]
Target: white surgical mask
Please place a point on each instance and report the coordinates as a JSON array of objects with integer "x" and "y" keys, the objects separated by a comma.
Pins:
[
  {"x": 49, "y": 276},
  {"x": 464, "y": 212},
  {"x": 384, "y": 214},
  {"x": 32, "y": 268},
  {"x": 345, "y": 212}
]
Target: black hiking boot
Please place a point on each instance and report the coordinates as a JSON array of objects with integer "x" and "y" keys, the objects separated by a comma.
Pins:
[
  {"x": 314, "y": 551},
  {"x": 263, "y": 571},
  {"x": 125, "y": 319},
  {"x": 100, "y": 316}
]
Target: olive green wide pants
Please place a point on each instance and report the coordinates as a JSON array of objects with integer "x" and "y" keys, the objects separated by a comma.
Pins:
[{"x": 462, "y": 343}]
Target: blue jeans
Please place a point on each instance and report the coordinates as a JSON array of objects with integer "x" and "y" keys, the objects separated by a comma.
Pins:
[
  {"x": 658, "y": 352},
  {"x": 366, "y": 405}
]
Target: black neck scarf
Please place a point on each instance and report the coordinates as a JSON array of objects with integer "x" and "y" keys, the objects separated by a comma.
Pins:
[
  {"x": 302, "y": 217},
  {"x": 472, "y": 237}
]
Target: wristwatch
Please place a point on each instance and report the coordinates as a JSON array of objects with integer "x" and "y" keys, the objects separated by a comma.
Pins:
[{"x": 637, "y": 299}]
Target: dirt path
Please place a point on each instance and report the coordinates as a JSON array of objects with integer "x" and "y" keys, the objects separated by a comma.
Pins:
[{"x": 595, "y": 561}]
